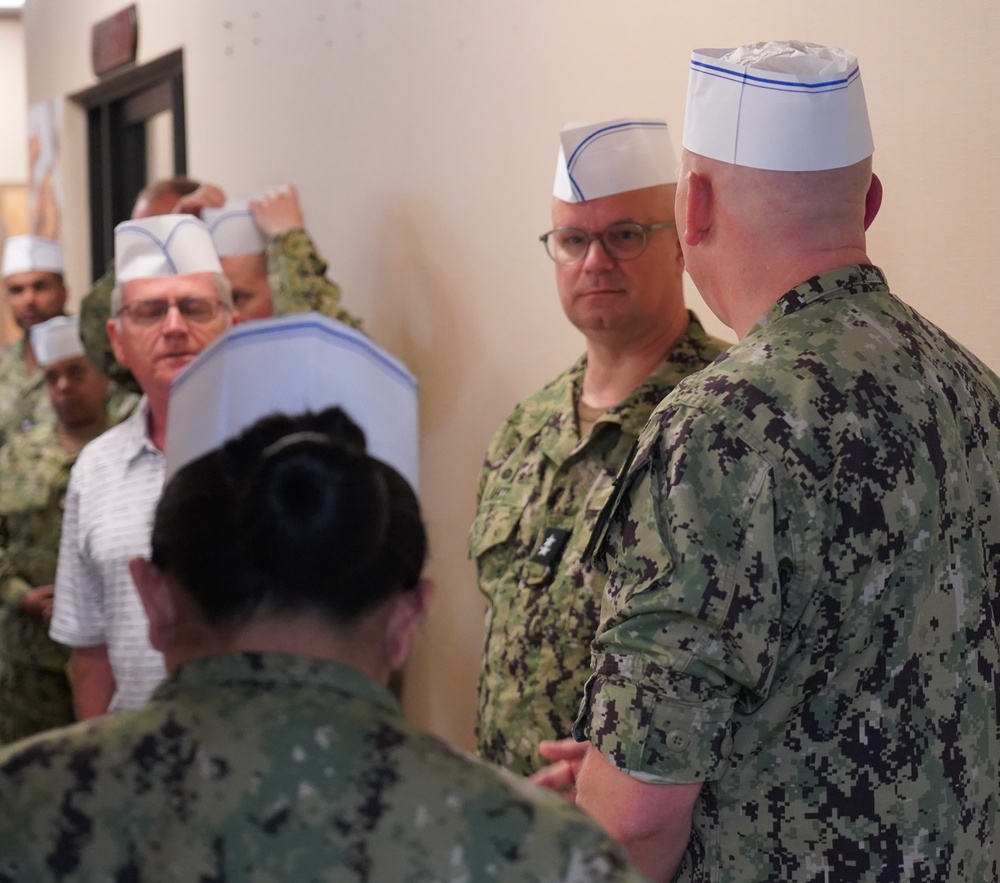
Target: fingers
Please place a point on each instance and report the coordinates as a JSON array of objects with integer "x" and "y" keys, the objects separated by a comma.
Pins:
[
  {"x": 206, "y": 196},
  {"x": 278, "y": 211},
  {"x": 562, "y": 749},
  {"x": 558, "y": 776}
]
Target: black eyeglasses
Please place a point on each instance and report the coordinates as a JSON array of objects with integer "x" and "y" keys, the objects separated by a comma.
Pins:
[
  {"x": 153, "y": 310},
  {"x": 622, "y": 241}
]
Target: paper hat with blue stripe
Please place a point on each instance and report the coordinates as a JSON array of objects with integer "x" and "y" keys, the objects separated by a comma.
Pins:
[
  {"x": 288, "y": 365},
  {"x": 31, "y": 254},
  {"x": 164, "y": 245},
  {"x": 233, "y": 228},
  {"x": 788, "y": 106},
  {"x": 602, "y": 159},
  {"x": 56, "y": 339}
]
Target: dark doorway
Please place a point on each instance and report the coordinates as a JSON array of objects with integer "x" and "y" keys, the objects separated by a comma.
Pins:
[{"x": 135, "y": 132}]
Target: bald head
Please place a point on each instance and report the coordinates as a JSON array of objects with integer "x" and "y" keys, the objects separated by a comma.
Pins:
[
  {"x": 749, "y": 234},
  {"x": 160, "y": 197}
]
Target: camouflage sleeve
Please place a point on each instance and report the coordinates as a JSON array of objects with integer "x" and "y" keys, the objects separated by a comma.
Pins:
[
  {"x": 690, "y": 622},
  {"x": 95, "y": 310},
  {"x": 13, "y": 587},
  {"x": 295, "y": 272}
]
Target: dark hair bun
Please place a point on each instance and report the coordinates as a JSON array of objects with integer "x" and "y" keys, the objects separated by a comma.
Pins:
[
  {"x": 291, "y": 515},
  {"x": 312, "y": 497}
]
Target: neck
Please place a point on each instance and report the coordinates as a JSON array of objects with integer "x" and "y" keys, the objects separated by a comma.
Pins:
[
  {"x": 73, "y": 438},
  {"x": 303, "y": 634},
  {"x": 615, "y": 369},
  {"x": 156, "y": 419},
  {"x": 752, "y": 293},
  {"x": 28, "y": 354}
]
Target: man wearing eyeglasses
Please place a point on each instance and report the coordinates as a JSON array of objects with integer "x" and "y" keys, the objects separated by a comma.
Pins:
[
  {"x": 550, "y": 467},
  {"x": 171, "y": 300}
]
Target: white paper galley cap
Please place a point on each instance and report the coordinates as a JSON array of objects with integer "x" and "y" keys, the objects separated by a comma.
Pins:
[
  {"x": 56, "y": 339},
  {"x": 233, "y": 228},
  {"x": 291, "y": 364},
  {"x": 164, "y": 245},
  {"x": 31, "y": 254},
  {"x": 789, "y": 106},
  {"x": 601, "y": 159}
]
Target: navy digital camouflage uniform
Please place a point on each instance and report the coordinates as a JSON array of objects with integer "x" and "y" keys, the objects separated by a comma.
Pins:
[
  {"x": 295, "y": 272},
  {"x": 34, "y": 691},
  {"x": 539, "y": 479},
  {"x": 24, "y": 402},
  {"x": 22, "y": 396},
  {"x": 271, "y": 767},
  {"x": 802, "y": 599}
]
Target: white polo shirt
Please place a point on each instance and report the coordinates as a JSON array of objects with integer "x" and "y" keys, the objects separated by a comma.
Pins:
[{"x": 113, "y": 490}]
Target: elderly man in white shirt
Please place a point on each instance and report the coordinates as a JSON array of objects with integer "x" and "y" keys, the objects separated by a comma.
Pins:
[{"x": 170, "y": 302}]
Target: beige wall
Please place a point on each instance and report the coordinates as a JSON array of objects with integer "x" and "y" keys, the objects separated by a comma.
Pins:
[
  {"x": 13, "y": 144},
  {"x": 422, "y": 134},
  {"x": 13, "y": 102}
]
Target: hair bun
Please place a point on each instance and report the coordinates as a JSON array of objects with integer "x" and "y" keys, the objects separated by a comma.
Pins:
[{"x": 311, "y": 497}]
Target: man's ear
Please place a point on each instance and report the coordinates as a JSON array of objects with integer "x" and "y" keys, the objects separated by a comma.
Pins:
[
  {"x": 114, "y": 337},
  {"x": 873, "y": 200},
  {"x": 408, "y": 612},
  {"x": 697, "y": 208},
  {"x": 158, "y": 602}
]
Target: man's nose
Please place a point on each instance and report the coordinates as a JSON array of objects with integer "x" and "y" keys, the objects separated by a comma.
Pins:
[
  {"x": 174, "y": 320},
  {"x": 597, "y": 259}
]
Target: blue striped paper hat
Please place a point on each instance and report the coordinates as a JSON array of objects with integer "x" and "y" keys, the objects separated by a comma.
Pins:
[
  {"x": 164, "y": 245},
  {"x": 784, "y": 106},
  {"x": 602, "y": 159},
  {"x": 233, "y": 227}
]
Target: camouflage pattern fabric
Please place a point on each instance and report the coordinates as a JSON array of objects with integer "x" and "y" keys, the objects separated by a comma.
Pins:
[
  {"x": 276, "y": 768},
  {"x": 22, "y": 397},
  {"x": 34, "y": 692},
  {"x": 95, "y": 310},
  {"x": 24, "y": 402},
  {"x": 295, "y": 272},
  {"x": 540, "y": 477},
  {"x": 801, "y": 610},
  {"x": 297, "y": 276}
]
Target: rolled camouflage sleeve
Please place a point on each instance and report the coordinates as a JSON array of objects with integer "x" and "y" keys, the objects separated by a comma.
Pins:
[
  {"x": 296, "y": 274},
  {"x": 691, "y": 616}
]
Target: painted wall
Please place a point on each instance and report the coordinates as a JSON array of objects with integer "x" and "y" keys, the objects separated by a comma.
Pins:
[
  {"x": 422, "y": 134},
  {"x": 13, "y": 102},
  {"x": 13, "y": 145}
]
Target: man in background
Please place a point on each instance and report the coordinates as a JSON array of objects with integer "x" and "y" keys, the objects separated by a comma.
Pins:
[
  {"x": 170, "y": 301},
  {"x": 159, "y": 198},
  {"x": 796, "y": 673},
  {"x": 32, "y": 274},
  {"x": 35, "y": 465},
  {"x": 272, "y": 263},
  {"x": 270, "y": 260},
  {"x": 549, "y": 469}
]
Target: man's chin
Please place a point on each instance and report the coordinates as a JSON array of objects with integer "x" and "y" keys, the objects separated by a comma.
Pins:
[{"x": 173, "y": 365}]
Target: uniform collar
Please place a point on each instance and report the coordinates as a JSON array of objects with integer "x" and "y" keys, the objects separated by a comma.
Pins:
[
  {"x": 851, "y": 280},
  {"x": 276, "y": 670}
]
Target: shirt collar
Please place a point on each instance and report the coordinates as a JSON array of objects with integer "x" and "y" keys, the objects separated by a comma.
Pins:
[
  {"x": 280, "y": 670},
  {"x": 850, "y": 280},
  {"x": 138, "y": 441}
]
